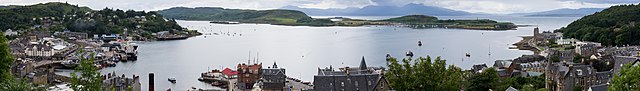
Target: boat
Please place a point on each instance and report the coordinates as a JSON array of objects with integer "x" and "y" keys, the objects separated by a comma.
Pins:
[
  {"x": 409, "y": 53},
  {"x": 70, "y": 63},
  {"x": 217, "y": 83},
  {"x": 172, "y": 80}
]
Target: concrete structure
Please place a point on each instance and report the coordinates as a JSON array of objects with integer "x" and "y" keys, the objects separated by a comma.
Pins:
[
  {"x": 273, "y": 78},
  {"x": 360, "y": 78}
]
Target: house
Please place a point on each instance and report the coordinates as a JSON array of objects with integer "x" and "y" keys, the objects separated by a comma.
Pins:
[
  {"x": 230, "y": 73},
  {"x": 511, "y": 89},
  {"x": 601, "y": 87},
  {"x": 478, "y": 68},
  {"x": 567, "y": 75},
  {"x": 563, "y": 54},
  {"x": 570, "y": 41},
  {"x": 502, "y": 64},
  {"x": 248, "y": 75},
  {"x": 620, "y": 61},
  {"x": 530, "y": 67},
  {"x": 273, "y": 78},
  {"x": 39, "y": 50},
  {"x": 360, "y": 78},
  {"x": 10, "y": 32},
  {"x": 586, "y": 49}
]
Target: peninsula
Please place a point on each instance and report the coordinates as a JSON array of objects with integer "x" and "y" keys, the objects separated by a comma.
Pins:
[
  {"x": 298, "y": 18},
  {"x": 59, "y": 17}
]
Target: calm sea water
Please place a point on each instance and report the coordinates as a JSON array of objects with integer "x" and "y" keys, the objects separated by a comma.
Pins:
[{"x": 302, "y": 50}]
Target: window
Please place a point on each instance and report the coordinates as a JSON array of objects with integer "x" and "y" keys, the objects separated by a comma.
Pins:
[
  {"x": 579, "y": 72},
  {"x": 356, "y": 84}
]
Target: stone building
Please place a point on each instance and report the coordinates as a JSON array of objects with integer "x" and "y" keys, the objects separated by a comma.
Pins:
[
  {"x": 273, "y": 78},
  {"x": 587, "y": 49},
  {"x": 248, "y": 75},
  {"x": 566, "y": 76},
  {"x": 360, "y": 78}
]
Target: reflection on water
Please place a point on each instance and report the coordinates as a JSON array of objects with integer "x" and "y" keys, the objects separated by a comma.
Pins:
[{"x": 302, "y": 50}]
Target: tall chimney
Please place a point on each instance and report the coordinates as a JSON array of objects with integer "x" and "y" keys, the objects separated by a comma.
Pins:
[{"x": 151, "y": 81}]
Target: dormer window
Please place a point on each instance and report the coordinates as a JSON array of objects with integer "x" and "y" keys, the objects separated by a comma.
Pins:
[{"x": 579, "y": 72}]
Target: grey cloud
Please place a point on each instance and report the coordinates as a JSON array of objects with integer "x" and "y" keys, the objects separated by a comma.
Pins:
[{"x": 606, "y": 1}]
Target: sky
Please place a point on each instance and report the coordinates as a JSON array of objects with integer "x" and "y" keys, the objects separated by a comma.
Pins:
[{"x": 474, "y": 6}]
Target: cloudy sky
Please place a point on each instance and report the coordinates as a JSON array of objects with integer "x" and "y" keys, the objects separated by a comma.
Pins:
[{"x": 475, "y": 6}]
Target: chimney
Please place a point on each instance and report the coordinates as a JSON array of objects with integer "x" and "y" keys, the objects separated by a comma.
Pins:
[{"x": 151, "y": 81}]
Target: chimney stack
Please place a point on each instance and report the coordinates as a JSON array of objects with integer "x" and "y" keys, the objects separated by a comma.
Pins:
[{"x": 151, "y": 81}]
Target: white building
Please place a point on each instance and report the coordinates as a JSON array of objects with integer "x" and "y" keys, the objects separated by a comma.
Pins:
[
  {"x": 39, "y": 51},
  {"x": 570, "y": 41},
  {"x": 10, "y": 32}
]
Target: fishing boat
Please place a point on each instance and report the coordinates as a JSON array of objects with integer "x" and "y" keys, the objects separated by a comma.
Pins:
[{"x": 172, "y": 80}]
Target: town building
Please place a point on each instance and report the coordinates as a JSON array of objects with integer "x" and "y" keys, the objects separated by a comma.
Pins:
[
  {"x": 39, "y": 50},
  {"x": 478, "y": 68},
  {"x": 566, "y": 76},
  {"x": 248, "y": 75},
  {"x": 563, "y": 41},
  {"x": 530, "y": 67},
  {"x": 563, "y": 54},
  {"x": 10, "y": 32},
  {"x": 502, "y": 64},
  {"x": 360, "y": 78},
  {"x": 620, "y": 61},
  {"x": 121, "y": 83},
  {"x": 586, "y": 49},
  {"x": 273, "y": 78},
  {"x": 72, "y": 35}
]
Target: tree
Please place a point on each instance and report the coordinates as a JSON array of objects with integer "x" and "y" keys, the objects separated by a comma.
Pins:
[
  {"x": 627, "y": 80},
  {"x": 423, "y": 74},
  {"x": 89, "y": 78},
  {"x": 7, "y": 81},
  {"x": 5, "y": 60},
  {"x": 484, "y": 81},
  {"x": 527, "y": 88},
  {"x": 15, "y": 85}
]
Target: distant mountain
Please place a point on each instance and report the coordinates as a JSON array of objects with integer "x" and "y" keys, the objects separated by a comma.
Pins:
[
  {"x": 409, "y": 9},
  {"x": 565, "y": 12}
]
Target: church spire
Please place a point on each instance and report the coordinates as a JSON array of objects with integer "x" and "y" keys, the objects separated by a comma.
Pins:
[
  {"x": 363, "y": 65},
  {"x": 274, "y": 64}
]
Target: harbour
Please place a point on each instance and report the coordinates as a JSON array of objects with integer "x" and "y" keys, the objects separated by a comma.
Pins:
[{"x": 320, "y": 47}]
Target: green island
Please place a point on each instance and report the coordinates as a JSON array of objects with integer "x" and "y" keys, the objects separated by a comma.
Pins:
[
  {"x": 616, "y": 25},
  {"x": 58, "y": 17},
  {"x": 298, "y": 18}
]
